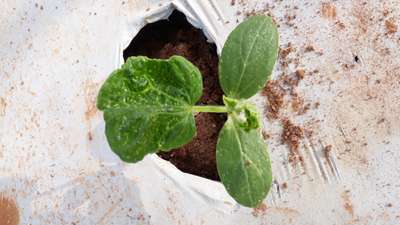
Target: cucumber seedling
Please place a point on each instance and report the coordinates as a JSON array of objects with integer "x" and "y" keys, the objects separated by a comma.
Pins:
[{"x": 149, "y": 106}]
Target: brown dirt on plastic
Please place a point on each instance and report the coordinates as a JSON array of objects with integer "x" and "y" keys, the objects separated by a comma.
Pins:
[
  {"x": 9, "y": 213},
  {"x": 176, "y": 36},
  {"x": 292, "y": 136}
]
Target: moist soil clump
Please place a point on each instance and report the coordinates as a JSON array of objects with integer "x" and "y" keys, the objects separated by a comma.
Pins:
[{"x": 176, "y": 36}]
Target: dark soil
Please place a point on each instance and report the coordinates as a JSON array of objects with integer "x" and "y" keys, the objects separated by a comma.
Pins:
[{"x": 176, "y": 36}]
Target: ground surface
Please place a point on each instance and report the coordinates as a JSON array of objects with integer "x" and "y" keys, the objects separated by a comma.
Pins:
[{"x": 331, "y": 116}]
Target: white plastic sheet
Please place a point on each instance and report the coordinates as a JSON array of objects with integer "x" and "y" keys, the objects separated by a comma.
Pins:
[{"x": 55, "y": 163}]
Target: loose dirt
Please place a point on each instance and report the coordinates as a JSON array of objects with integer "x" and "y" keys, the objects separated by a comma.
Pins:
[{"x": 9, "y": 214}]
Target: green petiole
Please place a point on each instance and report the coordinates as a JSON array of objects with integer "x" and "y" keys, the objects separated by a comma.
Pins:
[{"x": 209, "y": 109}]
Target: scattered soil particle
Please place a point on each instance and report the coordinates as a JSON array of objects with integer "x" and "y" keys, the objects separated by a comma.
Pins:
[
  {"x": 260, "y": 210},
  {"x": 90, "y": 90},
  {"x": 284, "y": 185},
  {"x": 340, "y": 25},
  {"x": 233, "y": 2},
  {"x": 9, "y": 214},
  {"x": 347, "y": 204},
  {"x": 300, "y": 73},
  {"x": 297, "y": 103},
  {"x": 274, "y": 93},
  {"x": 90, "y": 136},
  {"x": 385, "y": 12},
  {"x": 251, "y": 13},
  {"x": 390, "y": 26},
  {"x": 309, "y": 48},
  {"x": 284, "y": 52},
  {"x": 176, "y": 36},
  {"x": 266, "y": 135},
  {"x": 291, "y": 136},
  {"x": 381, "y": 120},
  {"x": 328, "y": 151},
  {"x": 3, "y": 106},
  {"x": 290, "y": 83},
  {"x": 289, "y": 19},
  {"x": 328, "y": 10},
  {"x": 280, "y": 94},
  {"x": 304, "y": 109}
]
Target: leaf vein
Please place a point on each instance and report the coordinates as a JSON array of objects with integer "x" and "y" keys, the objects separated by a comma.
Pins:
[
  {"x": 242, "y": 164},
  {"x": 247, "y": 56}
]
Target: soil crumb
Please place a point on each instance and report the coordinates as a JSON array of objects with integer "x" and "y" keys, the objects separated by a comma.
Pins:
[
  {"x": 347, "y": 204},
  {"x": 283, "y": 91},
  {"x": 390, "y": 26},
  {"x": 9, "y": 214},
  {"x": 328, "y": 10},
  {"x": 309, "y": 48},
  {"x": 3, "y": 106},
  {"x": 260, "y": 210},
  {"x": 291, "y": 136},
  {"x": 274, "y": 93},
  {"x": 176, "y": 36},
  {"x": 300, "y": 73},
  {"x": 328, "y": 151}
]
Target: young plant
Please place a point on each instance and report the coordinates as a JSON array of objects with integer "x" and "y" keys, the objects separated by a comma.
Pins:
[{"x": 149, "y": 106}]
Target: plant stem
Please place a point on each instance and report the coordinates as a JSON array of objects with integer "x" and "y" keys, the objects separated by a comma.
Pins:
[{"x": 209, "y": 108}]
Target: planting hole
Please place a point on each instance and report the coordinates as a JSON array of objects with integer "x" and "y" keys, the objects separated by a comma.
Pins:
[{"x": 176, "y": 36}]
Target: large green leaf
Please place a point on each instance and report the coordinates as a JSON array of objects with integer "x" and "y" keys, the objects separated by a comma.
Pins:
[
  {"x": 147, "y": 106},
  {"x": 248, "y": 57},
  {"x": 243, "y": 163}
]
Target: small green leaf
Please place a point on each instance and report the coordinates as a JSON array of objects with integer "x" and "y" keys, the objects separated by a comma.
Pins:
[
  {"x": 147, "y": 106},
  {"x": 243, "y": 163},
  {"x": 235, "y": 107},
  {"x": 248, "y": 57},
  {"x": 252, "y": 118}
]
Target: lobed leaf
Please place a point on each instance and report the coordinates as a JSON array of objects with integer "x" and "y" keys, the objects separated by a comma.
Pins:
[
  {"x": 243, "y": 163},
  {"x": 147, "y": 106},
  {"x": 248, "y": 57}
]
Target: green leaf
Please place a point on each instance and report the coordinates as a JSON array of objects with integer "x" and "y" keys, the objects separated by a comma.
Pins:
[
  {"x": 147, "y": 106},
  {"x": 252, "y": 118},
  {"x": 248, "y": 57},
  {"x": 243, "y": 163}
]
